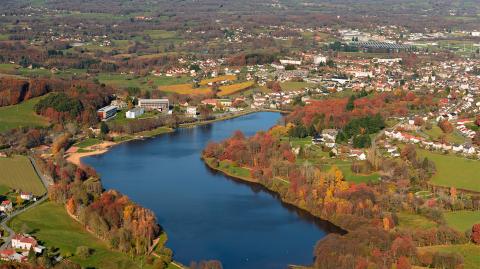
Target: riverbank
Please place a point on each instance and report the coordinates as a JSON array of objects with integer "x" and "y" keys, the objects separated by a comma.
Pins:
[{"x": 335, "y": 225}]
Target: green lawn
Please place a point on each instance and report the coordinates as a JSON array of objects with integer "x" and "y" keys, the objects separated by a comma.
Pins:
[
  {"x": 470, "y": 252},
  {"x": 454, "y": 171},
  {"x": 50, "y": 224},
  {"x": 234, "y": 170},
  {"x": 462, "y": 220},
  {"x": 88, "y": 142},
  {"x": 411, "y": 220},
  {"x": 21, "y": 115},
  {"x": 18, "y": 173},
  {"x": 436, "y": 132}
]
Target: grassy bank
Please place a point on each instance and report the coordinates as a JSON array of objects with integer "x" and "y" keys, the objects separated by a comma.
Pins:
[{"x": 462, "y": 220}]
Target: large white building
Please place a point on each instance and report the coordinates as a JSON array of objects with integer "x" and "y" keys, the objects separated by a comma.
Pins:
[
  {"x": 319, "y": 59},
  {"x": 134, "y": 112},
  {"x": 151, "y": 104}
]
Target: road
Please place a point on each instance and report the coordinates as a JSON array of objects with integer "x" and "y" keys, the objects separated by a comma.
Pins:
[{"x": 46, "y": 182}]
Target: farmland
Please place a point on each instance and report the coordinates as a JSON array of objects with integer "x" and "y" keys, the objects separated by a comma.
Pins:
[
  {"x": 218, "y": 79},
  {"x": 185, "y": 89},
  {"x": 18, "y": 173},
  {"x": 454, "y": 171},
  {"x": 235, "y": 88},
  {"x": 21, "y": 115}
]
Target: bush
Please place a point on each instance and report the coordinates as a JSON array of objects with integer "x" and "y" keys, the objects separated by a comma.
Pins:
[{"x": 83, "y": 252}]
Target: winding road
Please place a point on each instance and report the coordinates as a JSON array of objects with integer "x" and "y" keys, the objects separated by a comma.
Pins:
[{"x": 46, "y": 182}]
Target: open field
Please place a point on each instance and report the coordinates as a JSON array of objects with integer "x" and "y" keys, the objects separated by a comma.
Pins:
[
  {"x": 453, "y": 137},
  {"x": 462, "y": 220},
  {"x": 145, "y": 83},
  {"x": 411, "y": 220},
  {"x": 292, "y": 86},
  {"x": 18, "y": 173},
  {"x": 21, "y": 115},
  {"x": 50, "y": 223},
  {"x": 468, "y": 251},
  {"x": 453, "y": 171},
  {"x": 235, "y": 88},
  {"x": 184, "y": 89},
  {"x": 88, "y": 142}
]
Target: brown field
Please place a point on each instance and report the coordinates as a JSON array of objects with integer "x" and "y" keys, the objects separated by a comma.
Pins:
[
  {"x": 235, "y": 88},
  {"x": 184, "y": 89}
]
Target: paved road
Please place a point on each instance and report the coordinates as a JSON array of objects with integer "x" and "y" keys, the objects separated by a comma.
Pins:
[{"x": 46, "y": 182}]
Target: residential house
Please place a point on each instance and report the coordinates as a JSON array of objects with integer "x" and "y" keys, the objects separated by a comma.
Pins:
[
  {"x": 6, "y": 206},
  {"x": 26, "y": 196},
  {"x": 26, "y": 242}
]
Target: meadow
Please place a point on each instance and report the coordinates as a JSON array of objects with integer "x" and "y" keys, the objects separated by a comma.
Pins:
[
  {"x": 454, "y": 171},
  {"x": 21, "y": 115},
  {"x": 235, "y": 88},
  {"x": 462, "y": 220},
  {"x": 18, "y": 173}
]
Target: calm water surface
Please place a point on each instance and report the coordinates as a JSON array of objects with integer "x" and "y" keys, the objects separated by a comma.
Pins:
[{"x": 206, "y": 214}]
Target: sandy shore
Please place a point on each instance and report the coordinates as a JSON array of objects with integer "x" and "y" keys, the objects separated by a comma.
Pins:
[{"x": 101, "y": 148}]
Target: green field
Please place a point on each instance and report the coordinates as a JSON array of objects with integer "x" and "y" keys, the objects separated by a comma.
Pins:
[
  {"x": 145, "y": 83},
  {"x": 436, "y": 132},
  {"x": 291, "y": 85},
  {"x": 88, "y": 142},
  {"x": 50, "y": 224},
  {"x": 453, "y": 171},
  {"x": 462, "y": 220},
  {"x": 411, "y": 220},
  {"x": 234, "y": 170},
  {"x": 21, "y": 115},
  {"x": 18, "y": 173},
  {"x": 470, "y": 252}
]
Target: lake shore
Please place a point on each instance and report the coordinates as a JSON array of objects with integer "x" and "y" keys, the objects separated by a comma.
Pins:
[
  {"x": 98, "y": 149},
  {"x": 333, "y": 225}
]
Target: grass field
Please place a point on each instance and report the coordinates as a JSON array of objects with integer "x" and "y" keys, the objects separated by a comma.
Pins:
[
  {"x": 234, "y": 170},
  {"x": 21, "y": 115},
  {"x": 411, "y": 220},
  {"x": 292, "y": 85},
  {"x": 453, "y": 137},
  {"x": 462, "y": 220},
  {"x": 470, "y": 252},
  {"x": 235, "y": 88},
  {"x": 18, "y": 173},
  {"x": 145, "y": 83},
  {"x": 453, "y": 171},
  {"x": 50, "y": 224},
  {"x": 88, "y": 142}
]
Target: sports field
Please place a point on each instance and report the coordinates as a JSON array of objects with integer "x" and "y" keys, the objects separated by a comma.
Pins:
[{"x": 17, "y": 173}]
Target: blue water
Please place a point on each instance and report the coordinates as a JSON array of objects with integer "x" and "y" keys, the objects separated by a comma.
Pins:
[{"x": 206, "y": 214}]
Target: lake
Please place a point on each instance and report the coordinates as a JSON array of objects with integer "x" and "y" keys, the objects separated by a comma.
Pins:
[{"x": 208, "y": 215}]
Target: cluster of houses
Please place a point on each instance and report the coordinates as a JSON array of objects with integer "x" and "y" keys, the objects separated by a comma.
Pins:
[
  {"x": 466, "y": 149},
  {"x": 21, "y": 246},
  {"x": 6, "y": 206}
]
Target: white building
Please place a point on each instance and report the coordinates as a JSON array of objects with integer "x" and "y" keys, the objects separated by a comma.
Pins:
[
  {"x": 26, "y": 242},
  {"x": 290, "y": 62},
  {"x": 192, "y": 111},
  {"x": 151, "y": 104},
  {"x": 6, "y": 206},
  {"x": 319, "y": 59},
  {"x": 26, "y": 196},
  {"x": 134, "y": 113}
]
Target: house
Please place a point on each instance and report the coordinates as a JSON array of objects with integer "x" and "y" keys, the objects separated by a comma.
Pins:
[
  {"x": 457, "y": 148},
  {"x": 358, "y": 154},
  {"x": 107, "y": 112},
  {"x": 134, "y": 112},
  {"x": 26, "y": 242},
  {"x": 6, "y": 206},
  {"x": 330, "y": 134},
  {"x": 26, "y": 196},
  {"x": 211, "y": 102},
  {"x": 192, "y": 111},
  {"x": 12, "y": 255},
  {"x": 154, "y": 104}
]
